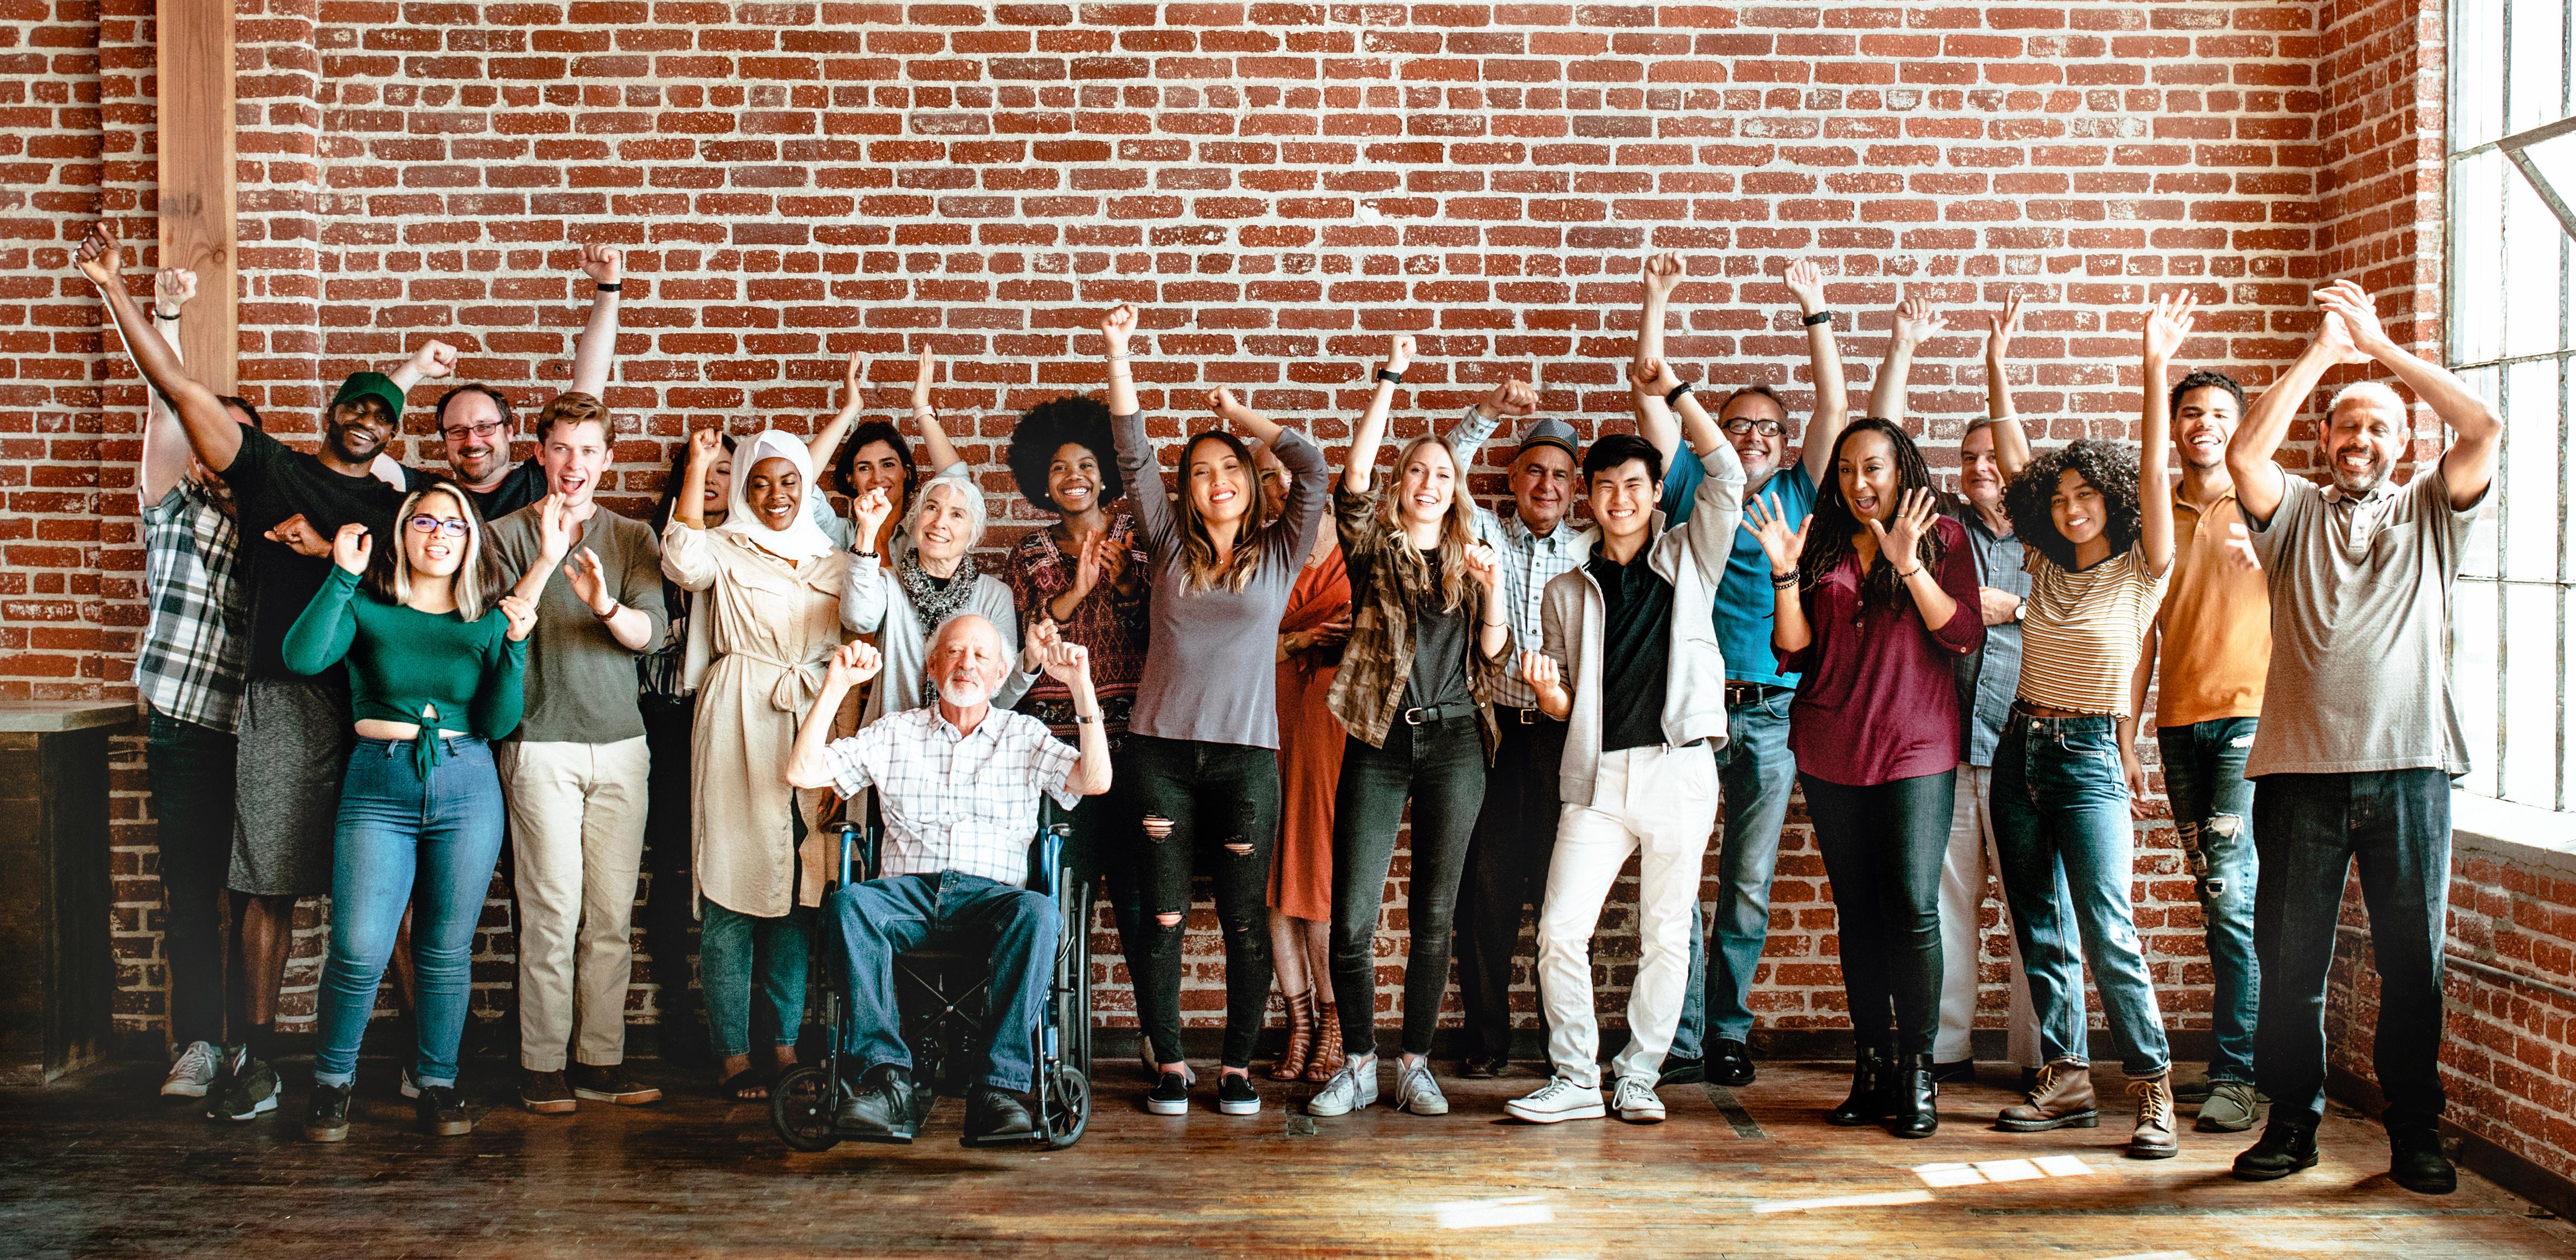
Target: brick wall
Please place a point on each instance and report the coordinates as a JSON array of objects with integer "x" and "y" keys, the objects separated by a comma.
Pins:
[{"x": 1280, "y": 186}]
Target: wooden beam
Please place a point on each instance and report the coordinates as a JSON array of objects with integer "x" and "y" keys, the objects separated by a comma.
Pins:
[{"x": 196, "y": 149}]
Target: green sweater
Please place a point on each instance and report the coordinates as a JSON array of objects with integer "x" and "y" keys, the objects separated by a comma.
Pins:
[{"x": 403, "y": 661}]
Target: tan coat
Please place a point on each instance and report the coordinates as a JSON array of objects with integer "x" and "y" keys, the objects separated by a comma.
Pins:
[{"x": 769, "y": 626}]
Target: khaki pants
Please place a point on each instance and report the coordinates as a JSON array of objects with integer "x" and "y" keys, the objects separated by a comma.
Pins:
[
  {"x": 1964, "y": 868},
  {"x": 577, "y": 816}
]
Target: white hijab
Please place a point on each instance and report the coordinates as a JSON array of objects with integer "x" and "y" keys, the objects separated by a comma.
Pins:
[{"x": 802, "y": 540}]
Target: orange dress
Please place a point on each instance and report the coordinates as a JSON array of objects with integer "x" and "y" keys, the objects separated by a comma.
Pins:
[{"x": 1310, "y": 747}]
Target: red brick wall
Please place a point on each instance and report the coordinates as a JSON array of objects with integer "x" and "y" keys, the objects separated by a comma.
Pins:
[{"x": 1280, "y": 185}]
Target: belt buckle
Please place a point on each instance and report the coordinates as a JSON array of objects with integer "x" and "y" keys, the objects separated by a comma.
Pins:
[
  {"x": 1529, "y": 716},
  {"x": 1413, "y": 717}
]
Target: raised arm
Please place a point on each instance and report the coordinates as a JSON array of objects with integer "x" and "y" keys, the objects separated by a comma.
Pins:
[
  {"x": 1782, "y": 545},
  {"x": 323, "y": 632},
  {"x": 2260, "y": 481},
  {"x": 2012, "y": 446},
  {"x": 1661, "y": 274},
  {"x": 1359, "y": 467},
  {"x": 1806, "y": 282},
  {"x": 1070, "y": 664},
  {"x": 2469, "y": 464},
  {"x": 1137, "y": 467},
  {"x": 2168, "y": 322},
  {"x": 212, "y": 432},
  {"x": 943, "y": 454},
  {"x": 435, "y": 360},
  {"x": 807, "y": 766},
  {"x": 1513, "y": 397},
  {"x": 827, "y": 440},
  {"x": 165, "y": 443},
  {"x": 1915, "y": 321},
  {"x": 596, "y": 352},
  {"x": 864, "y": 598},
  {"x": 1309, "y": 478}
]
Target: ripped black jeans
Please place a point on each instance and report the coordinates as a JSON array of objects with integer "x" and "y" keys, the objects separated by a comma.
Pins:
[{"x": 1222, "y": 801}]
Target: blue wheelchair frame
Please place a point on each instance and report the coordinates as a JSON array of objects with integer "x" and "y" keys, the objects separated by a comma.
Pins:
[{"x": 944, "y": 1024}]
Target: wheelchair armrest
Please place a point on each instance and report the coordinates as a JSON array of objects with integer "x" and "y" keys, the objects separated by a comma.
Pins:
[
  {"x": 1046, "y": 856},
  {"x": 859, "y": 849}
]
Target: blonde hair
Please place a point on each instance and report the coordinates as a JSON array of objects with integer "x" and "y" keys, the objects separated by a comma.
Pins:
[
  {"x": 478, "y": 575},
  {"x": 1457, "y": 528}
]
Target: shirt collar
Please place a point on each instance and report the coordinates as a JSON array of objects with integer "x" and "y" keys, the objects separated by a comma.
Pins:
[
  {"x": 1557, "y": 539},
  {"x": 936, "y": 724},
  {"x": 2386, "y": 489}
]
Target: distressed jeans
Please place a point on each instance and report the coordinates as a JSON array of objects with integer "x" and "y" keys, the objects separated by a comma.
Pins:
[
  {"x": 1217, "y": 797},
  {"x": 2213, "y": 805}
]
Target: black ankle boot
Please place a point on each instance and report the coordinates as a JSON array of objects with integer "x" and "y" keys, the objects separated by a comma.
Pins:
[
  {"x": 1910, "y": 1094},
  {"x": 1868, "y": 1101}
]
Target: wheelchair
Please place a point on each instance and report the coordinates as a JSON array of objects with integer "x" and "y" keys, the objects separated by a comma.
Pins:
[{"x": 941, "y": 994}]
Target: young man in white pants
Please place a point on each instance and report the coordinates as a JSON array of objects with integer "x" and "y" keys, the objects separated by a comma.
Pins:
[{"x": 1632, "y": 666}]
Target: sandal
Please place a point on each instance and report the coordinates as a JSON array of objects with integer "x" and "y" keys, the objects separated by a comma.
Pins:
[{"x": 748, "y": 1085}]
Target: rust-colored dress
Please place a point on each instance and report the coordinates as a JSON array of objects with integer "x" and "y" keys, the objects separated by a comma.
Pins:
[{"x": 1310, "y": 747}]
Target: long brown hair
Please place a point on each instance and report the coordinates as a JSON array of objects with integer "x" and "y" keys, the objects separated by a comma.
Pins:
[
  {"x": 1457, "y": 529},
  {"x": 478, "y": 576},
  {"x": 1198, "y": 549}
]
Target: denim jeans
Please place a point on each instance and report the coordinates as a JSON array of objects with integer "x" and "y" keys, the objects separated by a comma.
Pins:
[
  {"x": 192, "y": 771},
  {"x": 2212, "y": 805},
  {"x": 402, "y": 840},
  {"x": 732, "y": 947},
  {"x": 1440, "y": 767},
  {"x": 1507, "y": 865},
  {"x": 2313, "y": 829},
  {"x": 1018, "y": 928},
  {"x": 2061, "y": 806},
  {"x": 1755, "y": 772},
  {"x": 1214, "y": 795},
  {"x": 1882, "y": 846}
]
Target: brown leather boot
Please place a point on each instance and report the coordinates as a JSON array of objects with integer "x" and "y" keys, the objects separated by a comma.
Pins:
[
  {"x": 2063, "y": 1099},
  {"x": 2154, "y": 1136},
  {"x": 1301, "y": 1038},
  {"x": 1327, "y": 1058}
]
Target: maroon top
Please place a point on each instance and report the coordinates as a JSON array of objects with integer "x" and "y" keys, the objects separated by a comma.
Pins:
[{"x": 1876, "y": 697}]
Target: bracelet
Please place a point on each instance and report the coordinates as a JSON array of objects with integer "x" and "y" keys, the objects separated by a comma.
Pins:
[
  {"x": 925, "y": 410},
  {"x": 1085, "y": 719},
  {"x": 1906, "y": 577},
  {"x": 1677, "y": 392},
  {"x": 611, "y": 614},
  {"x": 1820, "y": 317},
  {"x": 1392, "y": 378},
  {"x": 172, "y": 317},
  {"x": 612, "y": 286},
  {"x": 1783, "y": 581},
  {"x": 1118, "y": 358}
]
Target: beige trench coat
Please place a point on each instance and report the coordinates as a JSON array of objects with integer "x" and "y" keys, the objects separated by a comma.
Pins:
[{"x": 769, "y": 626}]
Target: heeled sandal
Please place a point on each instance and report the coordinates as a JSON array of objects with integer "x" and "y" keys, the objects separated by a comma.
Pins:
[
  {"x": 1301, "y": 1038},
  {"x": 1327, "y": 1058}
]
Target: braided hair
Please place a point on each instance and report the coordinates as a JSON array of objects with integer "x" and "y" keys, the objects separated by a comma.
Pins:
[{"x": 1829, "y": 538}]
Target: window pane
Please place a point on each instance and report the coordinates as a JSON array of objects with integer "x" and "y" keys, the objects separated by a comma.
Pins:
[
  {"x": 2477, "y": 242},
  {"x": 2530, "y": 651},
  {"x": 2477, "y": 72},
  {"x": 2528, "y": 472},
  {"x": 2534, "y": 287},
  {"x": 2539, "y": 54},
  {"x": 2556, "y": 158},
  {"x": 2478, "y": 558},
  {"x": 2473, "y": 678}
]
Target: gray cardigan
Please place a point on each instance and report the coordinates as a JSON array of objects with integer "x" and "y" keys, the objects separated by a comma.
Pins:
[
  {"x": 1693, "y": 558},
  {"x": 873, "y": 602}
]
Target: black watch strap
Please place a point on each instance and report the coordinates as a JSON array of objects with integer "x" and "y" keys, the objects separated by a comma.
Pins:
[
  {"x": 1392, "y": 378},
  {"x": 612, "y": 288},
  {"x": 1677, "y": 392},
  {"x": 1820, "y": 317}
]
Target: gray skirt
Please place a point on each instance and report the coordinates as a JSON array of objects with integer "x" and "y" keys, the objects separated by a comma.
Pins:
[{"x": 295, "y": 743}]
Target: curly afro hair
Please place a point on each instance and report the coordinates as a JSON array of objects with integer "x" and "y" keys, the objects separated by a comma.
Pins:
[
  {"x": 1077, "y": 418},
  {"x": 2108, "y": 467}
]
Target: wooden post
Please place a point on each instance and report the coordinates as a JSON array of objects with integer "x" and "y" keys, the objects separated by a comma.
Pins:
[{"x": 196, "y": 150}]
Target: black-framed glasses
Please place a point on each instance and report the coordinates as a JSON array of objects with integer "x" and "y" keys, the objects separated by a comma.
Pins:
[
  {"x": 453, "y": 527},
  {"x": 1740, "y": 426},
  {"x": 460, "y": 432}
]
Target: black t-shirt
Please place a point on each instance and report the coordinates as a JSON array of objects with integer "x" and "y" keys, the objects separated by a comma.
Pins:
[
  {"x": 1439, "y": 647},
  {"x": 522, "y": 486},
  {"x": 1636, "y": 648},
  {"x": 271, "y": 483}
]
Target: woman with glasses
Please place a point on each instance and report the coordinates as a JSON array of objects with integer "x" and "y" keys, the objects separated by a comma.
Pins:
[{"x": 435, "y": 654}]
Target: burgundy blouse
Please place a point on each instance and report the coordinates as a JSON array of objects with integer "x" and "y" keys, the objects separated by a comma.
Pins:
[{"x": 1876, "y": 697}]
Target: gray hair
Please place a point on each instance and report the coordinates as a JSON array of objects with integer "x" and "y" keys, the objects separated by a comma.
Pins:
[
  {"x": 960, "y": 484},
  {"x": 2367, "y": 391}
]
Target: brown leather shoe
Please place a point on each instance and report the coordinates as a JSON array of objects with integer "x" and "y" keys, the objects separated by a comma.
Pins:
[
  {"x": 609, "y": 1083},
  {"x": 547, "y": 1094},
  {"x": 1327, "y": 1058},
  {"x": 2154, "y": 1136},
  {"x": 2062, "y": 1099},
  {"x": 1301, "y": 1038}
]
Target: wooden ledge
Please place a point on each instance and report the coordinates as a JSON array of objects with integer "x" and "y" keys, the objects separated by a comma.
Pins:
[{"x": 48, "y": 717}]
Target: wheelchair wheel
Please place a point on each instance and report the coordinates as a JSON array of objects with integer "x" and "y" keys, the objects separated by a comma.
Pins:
[
  {"x": 800, "y": 1109},
  {"x": 1066, "y": 1110}
]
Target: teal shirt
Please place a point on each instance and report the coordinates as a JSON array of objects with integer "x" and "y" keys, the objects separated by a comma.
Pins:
[
  {"x": 1744, "y": 600},
  {"x": 402, "y": 660}
]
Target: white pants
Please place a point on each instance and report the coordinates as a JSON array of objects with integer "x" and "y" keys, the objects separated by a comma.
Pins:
[
  {"x": 1659, "y": 803},
  {"x": 577, "y": 831},
  {"x": 1964, "y": 869}
]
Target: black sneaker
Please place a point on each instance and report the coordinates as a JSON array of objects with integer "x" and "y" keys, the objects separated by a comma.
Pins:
[
  {"x": 1957, "y": 1072},
  {"x": 1171, "y": 1096},
  {"x": 326, "y": 1117},
  {"x": 1481, "y": 1067},
  {"x": 880, "y": 1111},
  {"x": 441, "y": 1112},
  {"x": 995, "y": 1117},
  {"x": 2415, "y": 1161},
  {"x": 1734, "y": 1065},
  {"x": 2282, "y": 1150},
  {"x": 1235, "y": 1095},
  {"x": 244, "y": 1088},
  {"x": 1678, "y": 1071}
]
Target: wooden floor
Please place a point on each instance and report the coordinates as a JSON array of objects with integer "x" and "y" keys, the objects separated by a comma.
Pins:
[{"x": 100, "y": 1167}]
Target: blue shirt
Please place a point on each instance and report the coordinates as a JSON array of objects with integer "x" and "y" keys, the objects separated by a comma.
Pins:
[{"x": 1743, "y": 607}]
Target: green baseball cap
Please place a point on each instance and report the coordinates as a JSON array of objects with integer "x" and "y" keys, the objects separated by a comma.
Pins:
[{"x": 374, "y": 385}]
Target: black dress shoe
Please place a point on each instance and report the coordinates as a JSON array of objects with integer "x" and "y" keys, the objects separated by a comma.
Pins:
[
  {"x": 881, "y": 1111},
  {"x": 1868, "y": 1101},
  {"x": 995, "y": 1117},
  {"x": 1732, "y": 1066},
  {"x": 1911, "y": 1111},
  {"x": 1958, "y": 1072},
  {"x": 2415, "y": 1161},
  {"x": 2283, "y": 1149},
  {"x": 1481, "y": 1067},
  {"x": 1681, "y": 1072}
]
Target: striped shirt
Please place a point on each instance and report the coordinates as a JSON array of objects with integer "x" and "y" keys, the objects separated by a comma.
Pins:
[
  {"x": 2081, "y": 631},
  {"x": 196, "y": 645}
]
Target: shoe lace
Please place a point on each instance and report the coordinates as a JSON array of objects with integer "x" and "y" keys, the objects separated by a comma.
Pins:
[{"x": 2155, "y": 1097}]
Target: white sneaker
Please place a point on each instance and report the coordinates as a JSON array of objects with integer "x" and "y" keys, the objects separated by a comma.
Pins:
[
  {"x": 1416, "y": 1091},
  {"x": 194, "y": 1071},
  {"x": 1352, "y": 1088},
  {"x": 1635, "y": 1101},
  {"x": 1559, "y": 1099},
  {"x": 410, "y": 1087}
]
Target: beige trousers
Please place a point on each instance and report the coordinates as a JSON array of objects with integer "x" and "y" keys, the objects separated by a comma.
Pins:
[{"x": 577, "y": 831}]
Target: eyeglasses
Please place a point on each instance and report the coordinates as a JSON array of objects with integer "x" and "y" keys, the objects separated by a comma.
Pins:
[
  {"x": 451, "y": 526},
  {"x": 1740, "y": 426},
  {"x": 460, "y": 432}
]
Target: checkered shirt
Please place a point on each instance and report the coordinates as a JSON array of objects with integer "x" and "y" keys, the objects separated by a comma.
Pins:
[
  {"x": 1529, "y": 564},
  {"x": 196, "y": 640},
  {"x": 951, "y": 802}
]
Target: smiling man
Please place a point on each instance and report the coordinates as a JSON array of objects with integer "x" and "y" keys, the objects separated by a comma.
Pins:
[{"x": 576, "y": 772}]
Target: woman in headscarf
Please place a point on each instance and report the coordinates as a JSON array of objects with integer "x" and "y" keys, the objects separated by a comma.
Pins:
[{"x": 769, "y": 585}]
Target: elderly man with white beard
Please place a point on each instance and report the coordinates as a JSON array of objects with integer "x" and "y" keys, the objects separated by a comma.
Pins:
[{"x": 958, "y": 783}]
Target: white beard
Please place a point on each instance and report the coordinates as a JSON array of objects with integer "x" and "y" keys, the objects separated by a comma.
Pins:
[{"x": 965, "y": 697}]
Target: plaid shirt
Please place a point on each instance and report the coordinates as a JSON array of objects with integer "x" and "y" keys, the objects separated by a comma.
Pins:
[
  {"x": 951, "y": 802},
  {"x": 1529, "y": 561},
  {"x": 196, "y": 641}
]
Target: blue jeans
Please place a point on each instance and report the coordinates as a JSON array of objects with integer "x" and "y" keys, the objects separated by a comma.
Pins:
[
  {"x": 734, "y": 949},
  {"x": 2212, "y": 799},
  {"x": 402, "y": 840},
  {"x": 2314, "y": 828},
  {"x": 1754, "y": 775},
  {"x": 885, "y": 917},
  {"x": 2061, "y": 807}
]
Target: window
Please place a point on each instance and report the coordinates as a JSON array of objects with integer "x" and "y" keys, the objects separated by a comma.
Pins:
[{"x": 2512, "y": 216}]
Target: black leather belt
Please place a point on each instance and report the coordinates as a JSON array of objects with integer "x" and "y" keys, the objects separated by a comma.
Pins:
[
  {"x": 1525, "y": 717},
  {"x": 1438, "y": 713},
  {"x": 1750, "y": 693}
]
